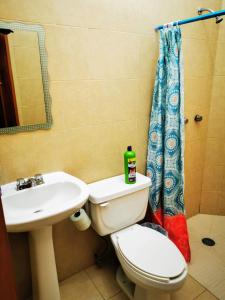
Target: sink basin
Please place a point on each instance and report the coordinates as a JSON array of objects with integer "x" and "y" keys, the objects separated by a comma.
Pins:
[
  {"x": 46, "y": 204},
  {"x": 35, "y": 210}
]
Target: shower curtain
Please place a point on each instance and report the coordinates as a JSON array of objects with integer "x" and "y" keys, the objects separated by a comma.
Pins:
[{"x": 165, "y": 160}]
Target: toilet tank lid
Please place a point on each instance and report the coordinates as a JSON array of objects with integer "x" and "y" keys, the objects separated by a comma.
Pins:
[{"x": 114, "y": 187}]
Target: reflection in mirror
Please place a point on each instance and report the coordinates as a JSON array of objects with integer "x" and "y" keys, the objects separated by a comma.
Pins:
[
  {"x": 26, "y": 73},
  {"x": 24, "y": 96}
]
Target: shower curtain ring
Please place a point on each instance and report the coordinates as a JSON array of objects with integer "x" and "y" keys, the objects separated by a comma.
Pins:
[
  {"x": 176, "y": 23},
  {"x": 168, "y": 25}
]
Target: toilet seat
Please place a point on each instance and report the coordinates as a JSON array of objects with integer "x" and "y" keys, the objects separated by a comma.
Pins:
[
  {"x": 150, "y": 253},
  {"x": 143, "y": 274}
]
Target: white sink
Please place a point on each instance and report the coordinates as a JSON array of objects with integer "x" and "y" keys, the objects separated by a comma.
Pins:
[
  {"x": 35, "y": 209},
  {"x": 45, "y": 204}
]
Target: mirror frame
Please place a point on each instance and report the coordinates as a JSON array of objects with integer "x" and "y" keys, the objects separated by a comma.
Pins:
[{"x": 44, "y": 72}]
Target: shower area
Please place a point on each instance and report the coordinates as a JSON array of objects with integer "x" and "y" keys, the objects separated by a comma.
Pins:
[
  {"x": 203, "y": 44},
  {"x": 205, "y": 121},
  {"x": 204, "y": 61}
]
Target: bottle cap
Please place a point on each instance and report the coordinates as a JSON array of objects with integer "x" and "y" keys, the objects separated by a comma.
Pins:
[{"x": 129, "y": 148}]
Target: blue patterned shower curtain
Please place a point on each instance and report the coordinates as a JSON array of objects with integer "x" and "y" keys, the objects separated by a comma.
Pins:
[{"x": 165, "y": 161}]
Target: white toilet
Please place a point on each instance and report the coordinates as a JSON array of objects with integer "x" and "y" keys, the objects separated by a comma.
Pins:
[{"x": 152, "y": 266}]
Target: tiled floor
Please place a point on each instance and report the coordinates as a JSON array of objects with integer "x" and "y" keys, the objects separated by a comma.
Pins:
[
  {"x": 99, "y": 284},
  {"x": 96, "y": 283},
  {"x": 208, "y": 263}
]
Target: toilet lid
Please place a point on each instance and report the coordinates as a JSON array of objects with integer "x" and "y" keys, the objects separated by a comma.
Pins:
[{"x": 151, "y": 252}]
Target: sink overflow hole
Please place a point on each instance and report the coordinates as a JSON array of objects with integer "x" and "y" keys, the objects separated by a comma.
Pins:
[{"x": 37, "y": 211}]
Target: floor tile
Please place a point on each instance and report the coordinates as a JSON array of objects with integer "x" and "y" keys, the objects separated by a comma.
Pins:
[
  {"x": 189, "y": 290},
  {"x": 104, "y": 279},
  {"x": 219, "y": 248},
  {"x": 79, "y": 287},
  {"x": 207, "y": 268},
  {"x": 218, "y": 225},
  {"x": 119, "y": 296},
  {"x": 218, "y": 289},
  {"x": 206, "y": 296},
  {"x": 199, "y": 226},
  {"x": 207, "y": 265}
]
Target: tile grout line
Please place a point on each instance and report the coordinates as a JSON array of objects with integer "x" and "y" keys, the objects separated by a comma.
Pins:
[
  {"x": 142, "y": 32},
  {"x": 94, "y": 285},
  {"x": 197, "y": 281},
  {"x": 199, "y": 295},
  {"x": 206, "y": 290},
  {"x": 115, "y": 294}
]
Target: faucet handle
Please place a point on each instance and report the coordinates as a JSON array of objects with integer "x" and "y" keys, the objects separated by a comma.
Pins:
[
  {"x": 31, "y": 182},
  {"x": 39, "y": 179},
  {"x": 19, "y": 182}
]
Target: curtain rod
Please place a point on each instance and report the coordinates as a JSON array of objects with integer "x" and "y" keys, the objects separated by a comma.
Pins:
[{"x": 195, "y": 19}]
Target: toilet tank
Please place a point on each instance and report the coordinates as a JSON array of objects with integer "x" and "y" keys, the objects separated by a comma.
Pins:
[{"x": 114, "y": 205}]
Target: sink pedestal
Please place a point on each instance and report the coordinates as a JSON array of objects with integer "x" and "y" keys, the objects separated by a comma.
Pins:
[
  {"x": 34, "y": 210},
  {"x": 44, "y": 274}
]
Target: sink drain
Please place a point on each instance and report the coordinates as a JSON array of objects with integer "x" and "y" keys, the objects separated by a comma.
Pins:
[
  {"x": 208, "y": 242},
  {"x": 37, "y": 211}
]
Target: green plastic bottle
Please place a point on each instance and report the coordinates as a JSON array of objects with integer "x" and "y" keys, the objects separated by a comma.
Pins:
[{"x": 130, "y": 166}]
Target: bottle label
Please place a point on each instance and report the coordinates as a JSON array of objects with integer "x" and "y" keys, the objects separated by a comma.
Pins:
[{"x": 131, "y": 169}]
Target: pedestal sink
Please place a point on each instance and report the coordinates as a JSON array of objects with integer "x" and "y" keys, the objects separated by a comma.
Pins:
[{"x": 35, "y": 210}]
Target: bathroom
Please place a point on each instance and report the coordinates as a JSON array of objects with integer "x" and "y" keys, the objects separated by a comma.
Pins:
[{"x": 102, "y": 58}]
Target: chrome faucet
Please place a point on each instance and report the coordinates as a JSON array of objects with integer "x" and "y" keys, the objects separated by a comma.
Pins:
[
  {"x": 39, "y": 179},
  {"x": 22, "y": 183}
]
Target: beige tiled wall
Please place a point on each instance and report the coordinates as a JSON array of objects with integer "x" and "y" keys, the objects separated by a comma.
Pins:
[
  {"x": 102, "y": 57},
  {"x": 199, "y": 56},
  {"x": 213, "y": 187}
]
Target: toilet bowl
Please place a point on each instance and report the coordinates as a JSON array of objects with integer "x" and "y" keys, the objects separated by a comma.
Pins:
[
  {"x": 152, "y": 266},
  {"x": 150, "y": 260}
]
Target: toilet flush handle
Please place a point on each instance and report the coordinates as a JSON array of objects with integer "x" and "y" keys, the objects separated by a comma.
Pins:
[{"x": 104, "y": 204}]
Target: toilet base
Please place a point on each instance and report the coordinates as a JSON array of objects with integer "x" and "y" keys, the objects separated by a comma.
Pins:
[
  {"x": 135, "y": 292},
  {"x": 125, "y": 284},
  {"x": 150, "y": 294}
]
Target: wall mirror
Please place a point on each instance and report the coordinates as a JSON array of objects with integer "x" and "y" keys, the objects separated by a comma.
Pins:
[{"x": 25, "y": 102}]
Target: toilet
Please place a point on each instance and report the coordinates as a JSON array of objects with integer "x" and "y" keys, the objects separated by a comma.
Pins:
[{"x": 151, "y": 265}]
